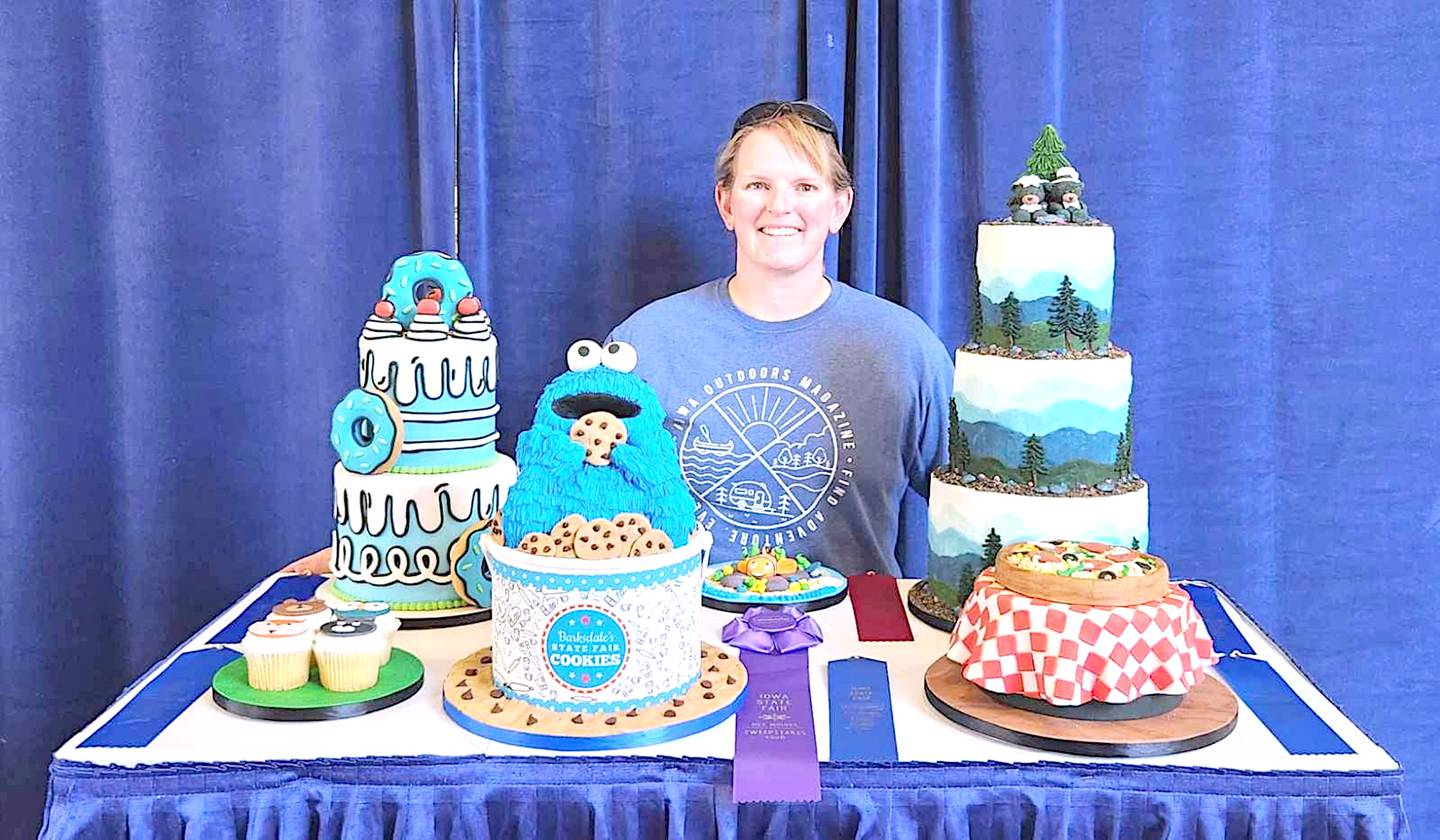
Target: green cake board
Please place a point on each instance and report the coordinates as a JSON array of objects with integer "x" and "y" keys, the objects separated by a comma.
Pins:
[{"x": 400, "y": 679}]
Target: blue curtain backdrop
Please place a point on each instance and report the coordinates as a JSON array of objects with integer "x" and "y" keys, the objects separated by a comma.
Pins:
[{"x": 199, "y": 204}]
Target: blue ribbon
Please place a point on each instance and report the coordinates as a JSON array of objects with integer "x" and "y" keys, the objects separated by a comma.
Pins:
[
  {"x": 862, "y": 722},
  {"x": 1223, "y": 631},
  {"x": 1290, "y": 719}
]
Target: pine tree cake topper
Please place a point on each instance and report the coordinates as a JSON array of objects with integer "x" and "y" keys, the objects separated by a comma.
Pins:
[{"x": 1047, "y": 155}]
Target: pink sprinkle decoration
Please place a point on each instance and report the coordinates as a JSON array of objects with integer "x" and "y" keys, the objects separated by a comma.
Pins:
[{"x": 385, "y": 309}]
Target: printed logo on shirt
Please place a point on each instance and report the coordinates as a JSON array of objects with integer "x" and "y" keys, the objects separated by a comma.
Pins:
[{"x": 767, "y": 452}]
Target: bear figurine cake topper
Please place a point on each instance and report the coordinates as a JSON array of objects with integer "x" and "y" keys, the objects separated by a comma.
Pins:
[{"x": 599, "y": 475}]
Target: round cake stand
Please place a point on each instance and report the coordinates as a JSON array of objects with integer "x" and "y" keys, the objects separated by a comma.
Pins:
[
  {"x": 472, "y": 701},
  {"x": 414, "y": 619},
  {"x": 400, "y": 679},
  {"x": 1207, "y": 714},
  {"x": 918, "y": 601}
]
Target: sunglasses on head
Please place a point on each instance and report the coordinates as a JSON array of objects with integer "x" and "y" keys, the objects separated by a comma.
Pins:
[{"x": 811, "y": 115}]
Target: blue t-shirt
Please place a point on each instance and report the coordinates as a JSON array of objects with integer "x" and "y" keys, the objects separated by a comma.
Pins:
[{"x": 801, "y": 433}]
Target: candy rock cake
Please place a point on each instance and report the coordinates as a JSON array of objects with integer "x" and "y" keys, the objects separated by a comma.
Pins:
[
  {"x": 596, "y": 569},
  {"x": 1081, "y": 629},
  {"x": 1040, "y": 423},
  {"x": 418, "y": 477}
]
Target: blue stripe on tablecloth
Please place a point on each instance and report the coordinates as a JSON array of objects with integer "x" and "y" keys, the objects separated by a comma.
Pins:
[
  {"x": 1223, "y": 631},
  {"x": 299, "y": 587},
  {"x": 1290, "y": 719},
  {"x": 156, "y": 706}
]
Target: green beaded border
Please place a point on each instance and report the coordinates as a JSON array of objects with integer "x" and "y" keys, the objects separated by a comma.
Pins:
[
  {"x": 441, "y": 470},
  {"x": 405, "y": 606}
]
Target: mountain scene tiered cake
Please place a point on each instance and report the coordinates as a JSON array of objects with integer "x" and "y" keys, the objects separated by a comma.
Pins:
[
  {"x": 419, "y": 479},
  {"x": 1041, "y": 423}
]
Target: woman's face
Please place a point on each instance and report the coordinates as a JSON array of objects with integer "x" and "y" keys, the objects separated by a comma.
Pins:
[{"x": 780, "y": 206}]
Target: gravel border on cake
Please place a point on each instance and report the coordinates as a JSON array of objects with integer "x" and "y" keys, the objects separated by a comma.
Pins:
[
  {"x": 992, "y": 484},
  {"x": 1109, "y": 351}
]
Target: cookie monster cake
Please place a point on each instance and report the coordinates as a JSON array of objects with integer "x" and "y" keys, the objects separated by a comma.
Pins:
[
  {"x": 1041, "y": 429},
  {"x": 596, "y": 568},
  {"x": 419, "y": 479}
]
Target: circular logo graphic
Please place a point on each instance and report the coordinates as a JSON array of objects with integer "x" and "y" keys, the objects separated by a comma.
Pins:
[
  {"x": 760, "y": 455},
  {"x": 585, "y": 647}
]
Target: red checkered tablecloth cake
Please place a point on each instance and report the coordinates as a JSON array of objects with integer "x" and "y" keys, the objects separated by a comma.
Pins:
[{"x": 1068, "y": 654}]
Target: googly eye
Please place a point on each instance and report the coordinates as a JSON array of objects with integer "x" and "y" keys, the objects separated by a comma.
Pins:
[
  {"x": 619, "y": 356},
  {"x": 583, "y": 355}
]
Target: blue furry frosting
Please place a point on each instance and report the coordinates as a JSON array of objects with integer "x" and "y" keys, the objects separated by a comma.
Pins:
[{"x": 555, "y": 480}]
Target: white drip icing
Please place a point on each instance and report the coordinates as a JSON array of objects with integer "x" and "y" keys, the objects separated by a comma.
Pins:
[
  {"x": 375, "y": 504},
  {"x": 437, "y": 366}
]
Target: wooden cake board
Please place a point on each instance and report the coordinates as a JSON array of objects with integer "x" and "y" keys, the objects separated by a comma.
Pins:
[
  {"x": 1207, "y": 714},
  {"x": 400, "y": 679},
  {"x": 414, "y": 619},
  {"x": 472, "y": 701}
]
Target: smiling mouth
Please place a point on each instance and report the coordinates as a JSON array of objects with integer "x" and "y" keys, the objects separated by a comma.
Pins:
[
  {"x": 576, "y": 406},
  {"x": 780, "y": 231}
]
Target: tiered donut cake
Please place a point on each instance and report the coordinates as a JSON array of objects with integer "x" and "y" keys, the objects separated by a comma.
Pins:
[
  {"x": 419, "y": 479},
  {"x": 597, "y": 568},
  {"x": 1041, "y": 420}
]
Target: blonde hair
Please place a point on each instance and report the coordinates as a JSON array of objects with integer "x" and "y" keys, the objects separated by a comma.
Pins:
[{"x": 818, "y": 148}]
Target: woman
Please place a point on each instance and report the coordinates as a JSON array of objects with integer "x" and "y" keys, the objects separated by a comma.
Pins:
[{"x": 803, "y": 408}]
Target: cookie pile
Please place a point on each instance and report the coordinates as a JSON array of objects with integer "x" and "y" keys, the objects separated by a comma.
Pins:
[{"x": 626, "y": 535}]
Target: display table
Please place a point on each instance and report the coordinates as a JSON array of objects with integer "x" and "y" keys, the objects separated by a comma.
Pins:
[{"x": 164, "y": 760}]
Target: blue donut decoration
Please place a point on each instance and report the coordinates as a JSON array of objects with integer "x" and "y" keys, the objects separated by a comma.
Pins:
[
  {"x": 366, "y": 431},
  {"x": 469, "y": 570},
  {"x": 417, "y": 276}
]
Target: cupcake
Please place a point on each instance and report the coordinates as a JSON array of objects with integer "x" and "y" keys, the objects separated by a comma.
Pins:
[
  {"x": 312, "y": 613},
  {"x": 277, "y": 655},
  {"x": 349, "y": 654},
  {"x": 376, "y": 611}
]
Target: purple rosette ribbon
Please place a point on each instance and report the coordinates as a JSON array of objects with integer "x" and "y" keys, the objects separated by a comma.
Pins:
[
  {"x": 775, "y": 754},
  {"x": 768, "y": 630}
]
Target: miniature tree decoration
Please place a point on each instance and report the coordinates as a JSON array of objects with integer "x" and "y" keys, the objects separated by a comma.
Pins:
[
  {"x": 1034, "y": 462},
  {"x": 992, "y": 547},
  {"x": 1047, "y": 154},
  {"x": 959, "y": 445},
  {"x": 1123, "y": 448},
  {"x": 1089, "y": 331},
  {"x": 1010, "y": 318},
  {"x": 1135, "y": 543},
  {"x": 1064, "y": 320},
  {"x": 977, "y": 316}
]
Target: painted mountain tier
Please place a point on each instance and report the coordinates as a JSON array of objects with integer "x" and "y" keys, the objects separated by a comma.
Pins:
[
  {"x": 1069, "y": 417},
  {"x": 1044, "y": 287}
]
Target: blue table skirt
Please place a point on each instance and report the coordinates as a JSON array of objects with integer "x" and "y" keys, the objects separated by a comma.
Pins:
[{"x": 627, "y": 797}]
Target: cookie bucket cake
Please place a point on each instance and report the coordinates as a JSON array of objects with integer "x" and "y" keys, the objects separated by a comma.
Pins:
[{"x": 596, "y": 567}]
